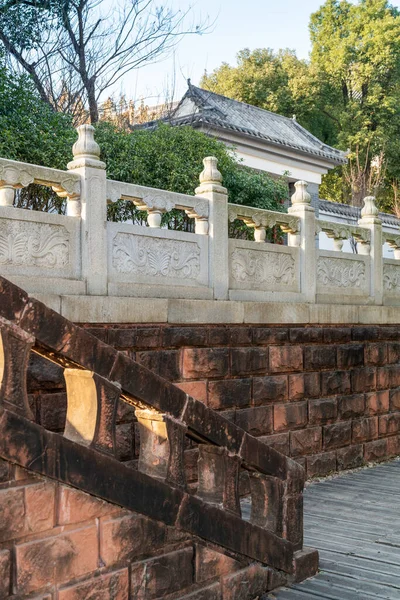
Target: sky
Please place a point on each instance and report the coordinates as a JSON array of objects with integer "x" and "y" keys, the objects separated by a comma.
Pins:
[{"x": 237, "y": 24}]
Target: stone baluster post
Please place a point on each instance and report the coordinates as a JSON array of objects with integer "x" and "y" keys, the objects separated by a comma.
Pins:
[
  {"x": 217, "y": 196},
  {"x": 93, "y": 210},
  {"x": 370, "y": 220},
  {"x": 305, "y": 239},
  {"x": 219, "y": 477}
]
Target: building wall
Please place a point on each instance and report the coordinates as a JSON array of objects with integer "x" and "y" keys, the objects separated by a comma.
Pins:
[{"x": 327, "y": 396}]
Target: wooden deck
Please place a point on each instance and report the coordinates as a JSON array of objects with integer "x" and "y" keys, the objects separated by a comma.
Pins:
[{"x": 354, "y": 521}]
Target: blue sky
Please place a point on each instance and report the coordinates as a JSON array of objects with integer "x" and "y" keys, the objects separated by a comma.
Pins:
[{"x": 238, "y": 24}]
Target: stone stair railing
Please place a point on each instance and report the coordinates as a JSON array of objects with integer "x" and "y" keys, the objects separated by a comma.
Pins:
[
  {"x": 97, "y": 378},
  {"x": 81, "y": 253}
]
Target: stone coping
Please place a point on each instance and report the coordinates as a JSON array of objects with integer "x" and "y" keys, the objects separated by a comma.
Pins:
[{"x": 118, "y": 309}]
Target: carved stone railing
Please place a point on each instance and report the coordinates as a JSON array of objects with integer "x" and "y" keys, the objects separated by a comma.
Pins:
[
  {"x": 84, "y": 254},
  {"x": 97, "y": 378}
]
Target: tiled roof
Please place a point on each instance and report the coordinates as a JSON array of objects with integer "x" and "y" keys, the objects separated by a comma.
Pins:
[
  {"x": 353, "y": 213},
  {"x": 213, "y": 109}
]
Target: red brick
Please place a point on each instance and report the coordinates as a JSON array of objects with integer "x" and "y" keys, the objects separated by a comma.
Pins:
[
  {"x": 365, "y": 429},
  {"x": 377, "y": 402},
  {"x": 5, "y": 471},
  {"x": 75, "y": 506},
  {"x": 304, "y": 385},
  {"x": 246, "y": 584},
  {"x": 350, "y": 457},
  {"x": 350, "y": 356},
  {"x": 320, "y": 465},
  {"x": 383, "y": 378},
  {"x": 393, "y": 445},
  {"x": 5, "y": 573},
  {"x": 336, "y": 382},
  {"x": 256, "y": 420},
  {"x": 363, "y": 334},
  {"x": 205, "y": 362},
  {"x": 279, "y": 441},
  {"x": 270, "y": 335},
  {"x": 249, "y": 360},
  {"x": 270, "y": 389},
  {"x": 229, "y": 393},
  {"x": 334, "y": 335},
  {"x": 285, "y": 358},
  {"x": 393, "y": 352},
  {"x": 210, "y": 564},
  {"x": 305, "y": 563},
  {"x": 322, "y": 411},
  {"x": 305, "y": 441},
  {"x": 376, "y": 354},
  {"x": 290, "y": 416},
  {"x": 196, "y": 389},
  {"x": 125, "y": 412},
  {"x": 124, "y": 433},
  {"x": 166, "y": 574},
  {"x": 306, "y": 335},
  {"x": 351, "y": 406},
  {"x": 111, "y": 586},
  {"x": 56, "y": 559},
  {"x": 363, "y": 380},
  {"x": 319, "y": 357},
  {"x": 53, "y": 411},
  {"x": 337, "y": 435},
  {"x": 389, "y": 424},
  {"x": 39, "y": 507},
  {"x": 184, "y": 336},
  {"x": 394, "y": 375},
  {"x": 211, "y": 592},
  {"x": 128, "y": 537},
  {"x": 135, "y": 337},
  {"x": 375, "y": 451},
  {"x": 165, "y": 363},
  {"x": 394, "y": 401}
]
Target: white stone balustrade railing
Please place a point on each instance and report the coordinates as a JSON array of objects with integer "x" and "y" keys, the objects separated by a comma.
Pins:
[{"x": 82, "y": 254}]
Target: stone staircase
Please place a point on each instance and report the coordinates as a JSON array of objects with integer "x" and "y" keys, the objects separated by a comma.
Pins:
[{"x": 265, "y": 549}]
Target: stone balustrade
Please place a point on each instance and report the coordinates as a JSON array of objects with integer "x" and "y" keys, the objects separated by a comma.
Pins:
[{"x": 83, "y": 254}]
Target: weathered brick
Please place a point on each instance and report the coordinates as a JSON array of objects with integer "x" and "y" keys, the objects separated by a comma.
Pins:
[
  {"x": 53, "y": 411},
  {"x": 336, "y": 382},
  {"x": 336, "y": 335},
  {"x": 44, "y": 375},
  {"x": 165, "y": 363},
  {"x": 393, "y": 445},
  {"x": 196, "y": 389},
  {"x": 125, "y": 412},
  {"x": 319, "y": 357},
  {"x": 351, "y": 406},
  {"x": 305, "y": 335},
  {"x": 125, "y": 538},
  {"x": 376, "y": 354},
  {"x": 290, "y": 416},
  {"x": 305, "y": 563},
  {"x": 256, "y": 420},
  {"x": 305, "y": 441},
  {"x": 337, "y": 435},
  {"x": 382, "y": 378},
  {"x": 364, "y": 379},
  {"x": 210, "y": 564},
  {"x": 123, "y": 338},
  {"x": 320, "y": 465},
  {"x": 110, "y": 586},
  {"x": 304, "y": 385},
  {"x": 39, "y": 507},
  {"x": 279, "y": 441},
  {"x": 229, "y": 393},
  {"x": 365, "y": 430},
  {"x": 364, "y": 334},
  {"x": 65, "y": 556},
  {"x": 388, "y": 333},
  {"x": 75, "y": 506},
  {"x": 393, "y": 355},
  {"x": 166, "y": 574},
  {"x": 270, "y": 335},
  {"x": 100, "y": 332},
  {"x": 5, "y": 573},
  {"x": 249, "y": 360},
  {"x": 377, "y": 402},
  {"x": 146, "y": 337},
  {"x": 229, "y": 336},
  {"x": 375, "y": 451},
  {"x": 246, "y": 584},
  {"x": 124, "y": 434},
  {"x": 323, "y": 410},
  {"x": 273, "y": 388},
  {"x": 350, "y": 457},
  {"x": 184, "y": 336},
  {"x": 205, "y": 362},
  {"x": 389, "y": 424},
  {"x": 350, "y": 356},
  {"x": 285, "y": 358},
  {"x": 394, "y": 375},
  {"x": 5, "y": 471},
  {"x": 394, "y": 399}
]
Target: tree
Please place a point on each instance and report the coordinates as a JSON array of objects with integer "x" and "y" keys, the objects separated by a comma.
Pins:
[{"x": 74, "y": 50}]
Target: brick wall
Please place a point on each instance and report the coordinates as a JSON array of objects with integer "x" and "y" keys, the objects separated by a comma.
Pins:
[
  {"x": 327, "y": 396},
  {"x": 57, "y": 542}
]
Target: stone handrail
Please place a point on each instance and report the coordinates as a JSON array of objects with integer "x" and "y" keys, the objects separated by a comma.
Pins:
[
  {"x": 82, "y": 254},
  {"x": 97, "y": 377}
]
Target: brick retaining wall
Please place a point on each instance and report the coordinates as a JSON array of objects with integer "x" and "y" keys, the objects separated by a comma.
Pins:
[{"x": 327, "y": 396}]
